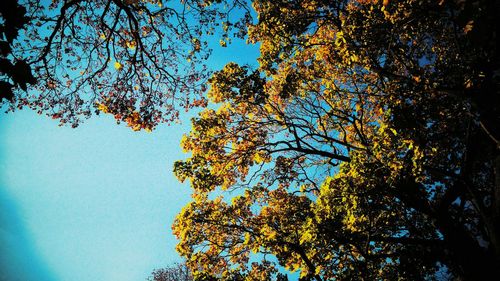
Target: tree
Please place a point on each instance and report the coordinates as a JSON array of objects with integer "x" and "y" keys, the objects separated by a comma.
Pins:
[
  {"x": 364, "y": 147},
  {"x": 140, "y": 60},
  {"x": 17, "y": 74},
  {"x": 176, "y": 272}
]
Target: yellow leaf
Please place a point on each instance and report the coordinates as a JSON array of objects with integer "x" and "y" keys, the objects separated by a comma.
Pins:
[
  {"x": 468, "y": 84},
  {"x": 102, "y": 107},
  {"x": 468, "y": 27},
  {"x": 118, "y": 65},
  {"x": 131, "y": 44}
]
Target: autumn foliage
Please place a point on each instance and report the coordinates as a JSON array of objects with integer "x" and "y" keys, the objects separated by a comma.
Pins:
[{"x": 363, "y": 147}]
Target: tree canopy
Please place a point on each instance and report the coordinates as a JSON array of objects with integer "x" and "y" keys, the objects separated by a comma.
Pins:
[
  {"x": 140, "y": 60},
  {"x": 17, "y": 74},
  {"x": 363, "y": 147},
  {"x": 176, "y": 272}
]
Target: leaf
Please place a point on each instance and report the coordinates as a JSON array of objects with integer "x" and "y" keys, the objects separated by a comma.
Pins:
[
  {"x": 469, "y": 26},
  {"x": 22, "y": 75},
  {"x": 6, "y": 91},
  {"x": 118, "y": 66},
  {"x": 5, "y": 48}
]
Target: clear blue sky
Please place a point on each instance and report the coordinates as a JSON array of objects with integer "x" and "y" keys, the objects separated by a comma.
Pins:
[{"x": 92, "y": 203}]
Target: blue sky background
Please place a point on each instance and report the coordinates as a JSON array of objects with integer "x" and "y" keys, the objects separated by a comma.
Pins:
[{"x": 91, "y": 203}]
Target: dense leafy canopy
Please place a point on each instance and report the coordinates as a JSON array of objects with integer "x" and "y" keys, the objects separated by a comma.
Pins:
[{"x": 364, "y": 147}]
